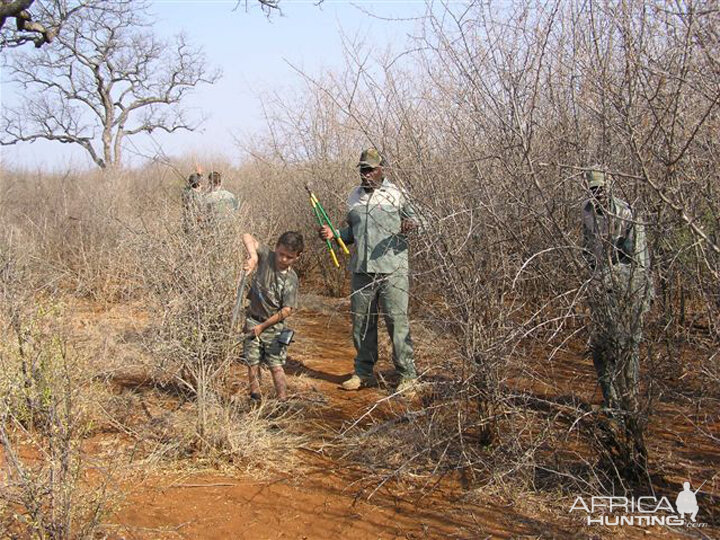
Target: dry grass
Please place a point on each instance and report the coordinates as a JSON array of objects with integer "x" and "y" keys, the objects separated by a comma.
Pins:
[{"x": 491, "y": 150}]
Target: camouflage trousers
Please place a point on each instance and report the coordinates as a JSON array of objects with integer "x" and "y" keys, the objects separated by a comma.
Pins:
[
  {"x": 619, "y": 298},
  {"x": 265, "y": 348},
  {"x": 390, "y": 293}
]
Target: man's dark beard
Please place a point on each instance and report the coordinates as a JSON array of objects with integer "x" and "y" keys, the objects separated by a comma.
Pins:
[{"x": 368, "y": 187}]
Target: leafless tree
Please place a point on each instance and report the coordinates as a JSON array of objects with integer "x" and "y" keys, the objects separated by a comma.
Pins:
[
  {"x": 107, "y": 78},
  {"x": 268, "y": 6},
  {"x": 40, "y": 21},
  {"x": 39, "y": 27}
]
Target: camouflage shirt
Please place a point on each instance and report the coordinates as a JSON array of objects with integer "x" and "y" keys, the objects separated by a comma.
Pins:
[
  {"x": 613, "y": 236},
  {"x": 271, "y": 290},
  {"x": 192, "y": 203},
  {"x": 374, "y": 220},
  {"x": 220, "y": 203}
]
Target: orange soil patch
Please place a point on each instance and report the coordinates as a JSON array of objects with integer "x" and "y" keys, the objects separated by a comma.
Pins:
[
  {"x": 325, "y": 498},
  {"x": 223, "y": 507},
  {"x": 322, "y": 501}
]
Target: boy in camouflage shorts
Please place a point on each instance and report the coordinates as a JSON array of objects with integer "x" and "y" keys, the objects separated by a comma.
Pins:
[{"x": 273, "y": 297}]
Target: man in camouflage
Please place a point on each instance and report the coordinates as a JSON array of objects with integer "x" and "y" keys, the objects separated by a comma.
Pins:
[
  {"x": 220, "y": 204},
  {"x": 620, "y": 292},
  {"x": 273, "y": 298},
  {"x": 379, "y": 216},
  {"x": 192, "y": 202}
]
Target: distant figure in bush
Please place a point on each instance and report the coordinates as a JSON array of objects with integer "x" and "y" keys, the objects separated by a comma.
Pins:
[
  {"x": 192, "y": 202},
  {"x": 620, "y": 292},
  {"x": 273, "y": 298},
  {"x": 379, "y": 216},
  {"x": 220, "y": 204}
]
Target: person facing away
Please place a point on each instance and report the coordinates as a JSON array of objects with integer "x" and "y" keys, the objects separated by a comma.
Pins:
[
  {"x": 616, "y": 252},
  {"x": 192, "y": 202},
  {"x": 273, "y": 297},
  {"x": 219, "y": 203},
  {"x": 379, "y": 216}
]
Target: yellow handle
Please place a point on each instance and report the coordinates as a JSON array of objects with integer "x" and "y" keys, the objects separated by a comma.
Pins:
[
  {"x": 316, "y": 203},
  {"x": 342, "y": 245}
]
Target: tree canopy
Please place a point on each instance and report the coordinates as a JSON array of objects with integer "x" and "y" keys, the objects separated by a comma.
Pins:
[{"x": 108, "y": 77}]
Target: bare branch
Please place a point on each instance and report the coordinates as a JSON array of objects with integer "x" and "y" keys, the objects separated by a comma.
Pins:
[{"x": 109, "y": 78}]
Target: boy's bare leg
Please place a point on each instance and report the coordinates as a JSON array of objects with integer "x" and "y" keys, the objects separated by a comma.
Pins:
[
  {"x": 278, "y": 375},
  {"x": 254, "y": 381}
]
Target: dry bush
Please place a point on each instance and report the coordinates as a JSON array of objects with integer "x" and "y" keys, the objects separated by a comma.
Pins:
[
  {"x": 489, "y": 120},
  {"x": 79, "y": 230},
  {"x": 191, "y": 281},
  {"x": 47, "y": 489},
  {"x": 258, "y": 441},
  {"x": 117, "y": 237}
]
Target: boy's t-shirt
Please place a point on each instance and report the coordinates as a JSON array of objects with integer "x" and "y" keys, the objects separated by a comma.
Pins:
[{"x": 271, "y": 290}]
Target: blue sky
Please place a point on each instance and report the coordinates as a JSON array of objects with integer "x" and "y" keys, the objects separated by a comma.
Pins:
[{"x": 253, "y": 53}]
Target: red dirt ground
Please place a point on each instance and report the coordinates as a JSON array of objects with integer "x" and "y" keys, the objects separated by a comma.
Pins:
[
  {"x": 320, "y": 503},
  {"x": 323, "y": 498}
]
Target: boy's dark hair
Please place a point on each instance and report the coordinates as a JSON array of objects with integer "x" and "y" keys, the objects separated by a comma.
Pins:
[{"x": 293, "y": 241}]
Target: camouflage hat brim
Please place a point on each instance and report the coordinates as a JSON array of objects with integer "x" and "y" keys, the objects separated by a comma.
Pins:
[
  {"x": 595, "y": 179},
  {"x": 370, "y": 158}
]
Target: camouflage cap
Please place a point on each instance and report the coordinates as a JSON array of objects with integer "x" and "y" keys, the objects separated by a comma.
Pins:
[
  {"x": 370, "y": 158},
  {"x": 595, "y": 178}
]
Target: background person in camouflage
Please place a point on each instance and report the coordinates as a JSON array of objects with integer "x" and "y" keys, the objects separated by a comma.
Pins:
[
  {"x": 273, "y": 297},
  {"x": 192, "y": 202},
  {"x": 620, "y": 291},
  {"x": 220, "y": 204},
  {"x": 379, "y": 216}
]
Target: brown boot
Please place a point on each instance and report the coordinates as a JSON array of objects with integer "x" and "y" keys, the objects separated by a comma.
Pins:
[{"x": 278, "y": 375}]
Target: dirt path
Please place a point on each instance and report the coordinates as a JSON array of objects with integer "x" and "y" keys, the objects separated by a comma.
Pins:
[
  {"x": 327, "y": 497},
  {"x": 320, "y": 502}
]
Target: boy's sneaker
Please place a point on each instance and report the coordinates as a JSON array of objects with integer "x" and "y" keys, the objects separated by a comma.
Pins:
[{"x": 356, "y": 383}]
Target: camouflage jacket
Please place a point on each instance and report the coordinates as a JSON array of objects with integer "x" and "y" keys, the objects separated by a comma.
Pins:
[
  {"x": 373, "y": 225},
  {"x": 613, "y": 236},
  {"x": 192, "y": 204},
  {"x": 220, "y": 203}
]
